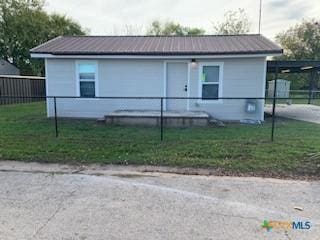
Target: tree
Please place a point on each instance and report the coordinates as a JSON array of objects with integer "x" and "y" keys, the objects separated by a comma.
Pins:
[
  {"x": 235, "y": 22},
  {"x": 301, "y": 41},
  {"x": 23, "y": 25},
  {"x": 170, "y": 28}
]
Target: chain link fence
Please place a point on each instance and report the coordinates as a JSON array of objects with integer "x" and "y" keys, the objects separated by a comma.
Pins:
[{"x": 160, "y": 118}]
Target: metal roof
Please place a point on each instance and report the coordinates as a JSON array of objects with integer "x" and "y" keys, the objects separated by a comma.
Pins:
[
  {"x": 293, "y": 66},
  {"x": 159, "y": 45}
]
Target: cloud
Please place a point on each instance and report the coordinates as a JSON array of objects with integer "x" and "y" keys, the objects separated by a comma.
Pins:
[
  {"x": 105, "y": 16},
  {"x": 278, "y": 3},
  {"x": 290, "y": 10}
]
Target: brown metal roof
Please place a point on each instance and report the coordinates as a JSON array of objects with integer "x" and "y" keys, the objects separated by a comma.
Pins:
[{"x": 159, "y": 45}]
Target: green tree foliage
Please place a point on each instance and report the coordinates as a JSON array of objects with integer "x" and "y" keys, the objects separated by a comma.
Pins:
[
  {"x": 170, "y": 28},
  {"x": 300, "y": 42},
  {"x": 235, "y": 22},
  {"x": 23, "y": 25}
]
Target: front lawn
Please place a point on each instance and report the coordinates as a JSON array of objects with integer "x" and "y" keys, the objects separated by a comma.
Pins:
[{"x": 26, "y": 134}]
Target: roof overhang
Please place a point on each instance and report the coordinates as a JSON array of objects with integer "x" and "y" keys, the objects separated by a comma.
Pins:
[{"x": 122, "y": 56}]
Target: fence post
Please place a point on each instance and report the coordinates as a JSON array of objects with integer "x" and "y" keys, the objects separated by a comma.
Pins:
[
  {"x": 55, "y": 116},
  {"x": 310, "y": 87},
  {"x": 161, "y": 120},
  {"x": 312, "y": 80},
  {"x": 274, "y": 102}
]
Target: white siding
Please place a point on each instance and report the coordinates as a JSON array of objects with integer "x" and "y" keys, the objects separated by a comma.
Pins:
[
  {"x": 61, "y": 77},
  {"x": 241, "y": 78},
  {"x": 145, "y": 78},
  {"x": 130, "y": 78},
  {"x": 116, "y": 78},
  {"x": 60, "y": 81}
]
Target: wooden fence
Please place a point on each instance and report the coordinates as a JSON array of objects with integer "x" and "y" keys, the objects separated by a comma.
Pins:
[{"x": 21, "y": 87}]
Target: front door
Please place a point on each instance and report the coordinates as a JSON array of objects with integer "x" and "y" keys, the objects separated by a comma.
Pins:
[{"x": 177, "y": 85}]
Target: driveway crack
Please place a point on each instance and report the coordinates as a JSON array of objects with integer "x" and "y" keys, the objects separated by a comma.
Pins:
[{"x": 60, "y": 205}]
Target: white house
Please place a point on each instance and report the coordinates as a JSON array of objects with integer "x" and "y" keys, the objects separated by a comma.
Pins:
[{"x": 202, "y": 67}]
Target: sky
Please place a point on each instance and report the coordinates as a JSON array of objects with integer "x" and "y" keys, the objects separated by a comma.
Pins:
[{"x": 114, "y": 17}]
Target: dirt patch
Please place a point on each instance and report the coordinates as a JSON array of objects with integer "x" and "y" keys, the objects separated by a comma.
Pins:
[
  {"x": 134, "y": 171},
  {"x": 222, "y": 172},
  {"x": 131, "y": 175}
]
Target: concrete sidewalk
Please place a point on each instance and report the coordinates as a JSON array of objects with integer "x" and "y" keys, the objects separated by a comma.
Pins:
[{"x": 41, "y": 201}]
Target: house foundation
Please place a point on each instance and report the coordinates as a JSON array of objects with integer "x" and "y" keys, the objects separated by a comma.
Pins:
[{"x": 153, "y": 118}]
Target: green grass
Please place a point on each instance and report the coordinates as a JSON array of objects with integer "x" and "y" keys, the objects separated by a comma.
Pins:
[{"x": 26, "y": 134}]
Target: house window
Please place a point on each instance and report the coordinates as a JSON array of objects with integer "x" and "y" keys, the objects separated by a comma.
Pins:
[
  {"x": 210, "y": 81},
  {"x": 87, "y": 75}
]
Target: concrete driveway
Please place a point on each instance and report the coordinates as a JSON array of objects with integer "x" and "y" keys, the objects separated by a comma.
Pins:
[
  {"x": 302, "y": 112},
  {"x": 61, "y": 202}
]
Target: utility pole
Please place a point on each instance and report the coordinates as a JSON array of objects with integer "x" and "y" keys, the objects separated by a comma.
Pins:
[{"x": 260, "y": 13}]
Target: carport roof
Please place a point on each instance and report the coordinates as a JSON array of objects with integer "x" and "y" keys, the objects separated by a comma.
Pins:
[{"x": 293, "y": 66}]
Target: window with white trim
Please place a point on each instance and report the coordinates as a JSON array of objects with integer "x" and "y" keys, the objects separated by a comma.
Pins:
[
  {"x": 87, "y": 75},
  {"x": 210, "y": 82}
]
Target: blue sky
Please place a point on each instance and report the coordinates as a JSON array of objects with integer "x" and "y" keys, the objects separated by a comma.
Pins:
[{"x": 105, "y": 17}]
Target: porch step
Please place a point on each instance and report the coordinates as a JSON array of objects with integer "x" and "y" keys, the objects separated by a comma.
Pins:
[{"x": 152, "y": 118}]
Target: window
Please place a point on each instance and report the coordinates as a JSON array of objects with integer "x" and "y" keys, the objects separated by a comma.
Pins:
[
  {"x": 87, "y": 75},
  {"x": 210, "y": 81}
]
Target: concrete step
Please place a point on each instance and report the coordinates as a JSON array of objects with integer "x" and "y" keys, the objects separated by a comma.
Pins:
[{"x": 152, "y": 118}]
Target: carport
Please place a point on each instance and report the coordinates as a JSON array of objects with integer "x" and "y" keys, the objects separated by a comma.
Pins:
[
  {"x": 310, "y": 67},
  {"x": 301, "y": 112}
]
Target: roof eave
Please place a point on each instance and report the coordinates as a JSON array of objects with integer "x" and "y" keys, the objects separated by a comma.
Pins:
[{"x": 153, "y": 54}]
